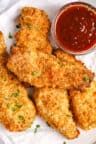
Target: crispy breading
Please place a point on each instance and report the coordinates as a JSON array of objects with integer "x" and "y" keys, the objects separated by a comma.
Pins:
[
  {"x": 33, "y": 32},
  {"x": 76, "y": 68},
  {"x": 36, "y": 18},
  {"x": 31, "y": 38},
  {"x": 84, "y": 106},
  {"x": 53, "y": 106},
  {"x": 65, "y": 57},
  {"x": 2, "y": 45},
  {"x": 17, "y": 112},
  {"x": 40, "y": 70}
]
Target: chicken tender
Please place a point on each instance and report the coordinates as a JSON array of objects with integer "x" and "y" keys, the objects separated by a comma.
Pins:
[
  {"x": 84, "y": 106},
  {"x": 72, "y": 63},
  {"x": 53, "y": 106},
  {"x": 34, "y": 18},
  {"x": 65, "y": 57},
  {"x": 34, "y": 28},
  {"x": 31, "y": 38},
  {"x": 45, "y": 70},
  {"x": 17, "y": 112}
]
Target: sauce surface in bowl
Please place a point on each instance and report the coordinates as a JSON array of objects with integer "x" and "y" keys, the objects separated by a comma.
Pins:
[{"x": 76, "y": 27}]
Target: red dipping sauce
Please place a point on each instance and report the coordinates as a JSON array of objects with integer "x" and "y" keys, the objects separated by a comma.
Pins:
[{"x": 75, "y": 28}]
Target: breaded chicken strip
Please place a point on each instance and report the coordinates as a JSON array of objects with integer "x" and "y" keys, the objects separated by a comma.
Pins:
[
  {"x": 35, "y": 18},
  {"x": 44, "y": 70},
  {"x": 65, "y": 57},
  {"x": 71, "y": 62},
  {"x": 53, "y": 106},
  {"x": 31, "y": 38},
  {"x": 34, "y": 28},
  {"x": 17, "y": 112},
  {"x": 84, "y": 106}
]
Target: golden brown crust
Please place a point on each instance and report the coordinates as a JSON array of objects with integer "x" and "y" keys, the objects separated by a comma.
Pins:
[
  {"x": 36, "y": 18},
  {"x": 63, "y": 56},
  {"x": 84, "y": 106},
  {"x": 2, "y": 44},
  {"x": 76, "y": 68},
  {"x": 17, "y": 112},
  {"x": 32, "y": 38},
  {"x": 40, "y": 70},
  {"x": 53, "y": 106},
  {"x": 33, "y": 32}
]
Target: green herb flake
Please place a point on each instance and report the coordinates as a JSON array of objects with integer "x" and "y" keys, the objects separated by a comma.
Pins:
[
  {"x": 21, "y": 118},
  {"x": 86, "y": 78},
  {"x": 68, "y": 115},
  {"x": 18, "y": 26},
  {"x": 15, "y": 94},
  {"x": 36, "y": 73},
  {"x": 36, "y": 128},
  {"x": 8, "y": 105},
  {"x": 3, "y": 78},
  {"x": 14, "y": 107},
  {"x": 29, "y": 25},
  {"x": 18, "y": 105},
  {"x": 60, "y": 63},
  {"x": 64, "y": 142},
  {"x": 10, "y": 35}
]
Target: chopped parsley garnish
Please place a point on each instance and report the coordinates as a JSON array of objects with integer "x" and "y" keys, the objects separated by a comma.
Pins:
[
  {"x": 3, "y": 78},
  {"x": 68, "y": 115},
  {"x": 8, "y": 105},
  {"x": 36, "y": 128},
  {"x": 18, "y": 26},
  {"x": 36, "y": 73},
  {"x": 21, "y": 118},
  {"x": 15, "y": 94},
  {"x": 86, "y": 78},
  {"x": 10, "y": 35},
  {"x": 29, "y": 25},
  {"x": 18, "y": 105},
  {"x": 14, "y": 107},
  {"x": 60, "y": 63}
]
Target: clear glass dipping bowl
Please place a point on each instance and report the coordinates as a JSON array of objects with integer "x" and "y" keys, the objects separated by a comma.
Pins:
[{"x": 53, "y": 28}]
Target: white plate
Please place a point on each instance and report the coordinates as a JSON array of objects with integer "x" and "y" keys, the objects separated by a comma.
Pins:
[{"x": 45, "y": 135}]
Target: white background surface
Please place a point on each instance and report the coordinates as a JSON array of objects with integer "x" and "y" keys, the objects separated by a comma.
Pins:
[
  {"x": 5, "y": 4},
  {"x": 45, "y": 135}
]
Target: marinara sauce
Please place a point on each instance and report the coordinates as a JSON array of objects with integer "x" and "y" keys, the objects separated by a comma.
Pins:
[{"x": 76, "y": 27}]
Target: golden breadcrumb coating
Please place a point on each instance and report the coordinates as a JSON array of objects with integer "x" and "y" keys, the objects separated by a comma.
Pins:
[
  {"x": 31, "y": 38},
  {"x": 40, "y": 70},
  {"x": 53, "y": 106},
  {"x": 84, "y": 106},
  {"x": 17, "y": 112},
  {"x": 34, "y": 27},
  {"x": 65, "y": 57},
  {"x": 2, "y": 44},
  {"x": 36, "y": 18}
]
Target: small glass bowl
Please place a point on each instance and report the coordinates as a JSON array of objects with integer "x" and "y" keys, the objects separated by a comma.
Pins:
[{"x": 53, "y": 28}]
